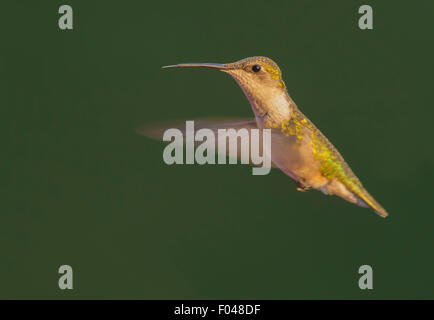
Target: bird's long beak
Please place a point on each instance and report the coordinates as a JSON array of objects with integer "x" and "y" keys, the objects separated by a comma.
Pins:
[{"x": 217, "y": 66}]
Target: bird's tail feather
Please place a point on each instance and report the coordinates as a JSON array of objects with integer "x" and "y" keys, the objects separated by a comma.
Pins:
[{"x": 369, "y": 201}]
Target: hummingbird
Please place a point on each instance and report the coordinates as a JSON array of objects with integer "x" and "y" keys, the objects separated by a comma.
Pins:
[{"x": 299, "y": 149}]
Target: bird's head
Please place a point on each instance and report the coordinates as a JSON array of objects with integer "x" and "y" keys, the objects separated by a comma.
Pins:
[{"x": 255, "y": 74}]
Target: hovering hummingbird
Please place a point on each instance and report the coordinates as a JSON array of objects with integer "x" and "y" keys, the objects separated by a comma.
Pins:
[{"x": 299, "y": 149}]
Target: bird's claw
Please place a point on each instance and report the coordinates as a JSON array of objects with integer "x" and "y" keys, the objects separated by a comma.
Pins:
[{"x": 301, "y": 187}]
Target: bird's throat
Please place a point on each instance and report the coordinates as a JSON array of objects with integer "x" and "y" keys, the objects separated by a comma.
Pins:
[{"x": 272, "y": 109}]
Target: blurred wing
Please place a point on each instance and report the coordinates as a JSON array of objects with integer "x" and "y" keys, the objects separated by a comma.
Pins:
[{"x": 156, "y": 130}]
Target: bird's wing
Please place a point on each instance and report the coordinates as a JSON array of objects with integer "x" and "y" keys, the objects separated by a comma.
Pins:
[{"x": 156, "y": 130}]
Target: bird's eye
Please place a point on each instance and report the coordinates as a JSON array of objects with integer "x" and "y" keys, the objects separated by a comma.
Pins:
[{"x": 256, "y": 68}]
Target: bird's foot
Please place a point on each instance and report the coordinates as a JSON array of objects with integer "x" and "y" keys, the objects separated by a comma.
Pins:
[{"x": 301, "y": 187}]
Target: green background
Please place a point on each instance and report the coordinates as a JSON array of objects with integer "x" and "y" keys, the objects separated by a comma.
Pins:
[{"x": 80, "y": 187}]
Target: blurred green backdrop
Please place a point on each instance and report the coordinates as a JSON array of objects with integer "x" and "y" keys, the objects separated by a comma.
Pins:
[{"x": 80, "y": 187}]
